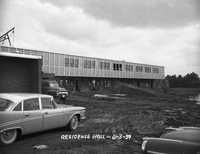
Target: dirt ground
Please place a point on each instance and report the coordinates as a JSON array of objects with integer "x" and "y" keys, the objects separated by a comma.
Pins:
[{"x": 133, "y": 115}]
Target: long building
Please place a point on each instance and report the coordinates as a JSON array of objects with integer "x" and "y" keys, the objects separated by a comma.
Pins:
[{"x": 75, "y": 70}]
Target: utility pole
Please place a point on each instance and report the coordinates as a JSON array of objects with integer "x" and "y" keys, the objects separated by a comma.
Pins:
[{"x": 6, "y": 36}]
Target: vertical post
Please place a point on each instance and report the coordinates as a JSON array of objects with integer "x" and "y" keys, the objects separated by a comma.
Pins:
[{"x": 39, "y": 64}]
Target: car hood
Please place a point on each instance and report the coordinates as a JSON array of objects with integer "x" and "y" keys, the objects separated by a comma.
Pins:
[
  {"x": 189, "y": 135},
  {"x": 62, "y": 89},
  {"x": 70, "y": 106}
]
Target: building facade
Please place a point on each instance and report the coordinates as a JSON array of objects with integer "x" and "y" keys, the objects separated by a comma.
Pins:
[{"x": 75, "y": 69}]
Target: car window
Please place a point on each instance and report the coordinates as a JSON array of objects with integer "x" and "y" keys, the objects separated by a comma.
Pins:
[
  {"x": 18, "y": 107},
  {"x": 4, "y": 104},
  {"x": 31, "y": 104},
  {"x": 47, "y": 103}
]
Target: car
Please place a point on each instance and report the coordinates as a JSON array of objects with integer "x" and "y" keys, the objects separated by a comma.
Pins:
[
  {"x": 182, "y": 140},
  {"x": 25, "y": 113},
  {"x": 51, "y": 87}
]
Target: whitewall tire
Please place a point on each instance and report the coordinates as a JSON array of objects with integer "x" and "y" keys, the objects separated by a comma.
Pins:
[
  {"x": 8, "y": 136},
  {"x": 73, "y": 124}
]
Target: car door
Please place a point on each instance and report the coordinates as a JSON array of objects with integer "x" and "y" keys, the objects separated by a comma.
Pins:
[
  {"x": 33, "y": 118},
  {"x": 52, "y": 116}
]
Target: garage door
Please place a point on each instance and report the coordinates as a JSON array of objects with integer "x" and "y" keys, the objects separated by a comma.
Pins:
[{"x": 19, "y": 74}]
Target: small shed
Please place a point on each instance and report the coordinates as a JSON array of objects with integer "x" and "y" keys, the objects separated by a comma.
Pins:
[{"x": 20, "y": 73}]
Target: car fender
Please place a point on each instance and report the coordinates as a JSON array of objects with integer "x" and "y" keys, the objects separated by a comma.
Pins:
[
  {"x": 165, "y": 145},
  {"x": 171, "y": 146},
  {"x": 11, "y": 128},
  {"x": 75, "y": 113}
]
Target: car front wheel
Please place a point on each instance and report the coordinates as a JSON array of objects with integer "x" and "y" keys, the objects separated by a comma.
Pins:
[
  {"x": 8, "y": 136},
  {"x": 73, "y": 124}
]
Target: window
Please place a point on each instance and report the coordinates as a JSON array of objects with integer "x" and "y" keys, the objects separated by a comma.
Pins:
[
  {"x": 120, "y": 67},
  {"x": 57, "y": 60},
  {"x": 155, "y": 70},
  {"x": 47, "y": 103},
  {"x": 147, "y": 69},
  {"x": 66, "y": 62},
  {"x": 71, "y": 62},
  {"x": 76, "y": 62},
  {"x": 101, "y": 65},
  {"x": 117, "y": 67},
  {"x": 51, "y": 57},
  {"x": 104, "y": 65},
  {"x": 89, "y": 64},
  {"x": 31, "y": 104},
  {"x": 139, "y": 68},
  {"x": 4, "y": 104},
  {"x": 18, "y": 107},
  {"x": 129, "y": 68},
  {"x": 45, "y": 58},
  {"x": 93, "y": 64}
]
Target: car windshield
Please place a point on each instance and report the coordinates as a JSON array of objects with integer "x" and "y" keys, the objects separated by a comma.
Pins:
[
  {"x": 53, "y": 84},
  {"x": 4, "y": 104}
]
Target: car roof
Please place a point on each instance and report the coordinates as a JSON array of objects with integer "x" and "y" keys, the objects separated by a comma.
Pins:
[
  {"x": 191, "y": 135},
  {"x": 17, "y": 97}
]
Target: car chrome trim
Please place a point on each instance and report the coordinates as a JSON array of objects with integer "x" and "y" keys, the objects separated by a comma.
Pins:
[
  {"x": 162, "y": 139},
  {"x": 3, "y": 130},
  {"x": 194, "y": 128},
  {"x": 172, "y": 128},
  {"x": 49, "y": 114},
  {"x": 10, "y": 122},
  {"x": 83, "y": 117},
  {"x": 182, "y": 128},
  {"x": 62, "y": 92},
  {"x": 154, "y": 152},
  {"x": 144, "y": 143},
  {"x": 19, "y": 121}
]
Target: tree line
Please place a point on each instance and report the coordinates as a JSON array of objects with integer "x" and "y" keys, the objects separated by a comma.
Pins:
[{"x": 190, "y": 80}]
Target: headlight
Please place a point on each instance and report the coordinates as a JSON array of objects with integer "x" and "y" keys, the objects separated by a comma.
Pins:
[{"x": 144, "y": 145}]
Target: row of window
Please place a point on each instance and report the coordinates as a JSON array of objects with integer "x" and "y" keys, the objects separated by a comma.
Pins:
[
  {"x": 117, "y": 67},
  {"x": 139, "y": 68},
  {"x": 104, "y": 66},
  {"x": 90, "y": 64},
  {"x": 155, "y": 70},
  {"x": 129, "y": 68},
  {"x": 33, "y": 104},
  {"x": 71, "y": 62},
  {"x": 147, "y": 69}
]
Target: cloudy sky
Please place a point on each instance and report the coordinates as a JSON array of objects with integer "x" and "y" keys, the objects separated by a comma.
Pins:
[{"x": 159, "y": 32}]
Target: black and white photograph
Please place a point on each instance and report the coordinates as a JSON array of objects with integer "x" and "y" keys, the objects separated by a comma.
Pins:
[{"x": 99, "y": 76}]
